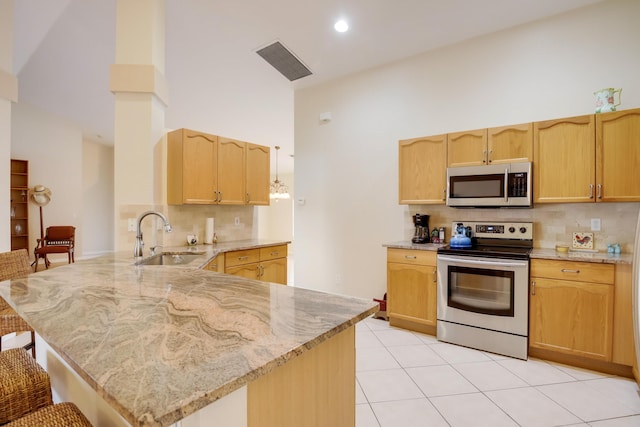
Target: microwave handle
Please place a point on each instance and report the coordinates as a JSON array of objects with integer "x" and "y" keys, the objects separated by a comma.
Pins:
[
  {"x": 496, "y": 262},
  {"x": 506, "y": 185}
]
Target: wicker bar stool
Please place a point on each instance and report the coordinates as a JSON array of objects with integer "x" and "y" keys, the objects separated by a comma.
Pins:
[
  {"x": 13, "y": 265},
  {"x": 59, "y": 415},
  {"x": 24, "y": 385}
]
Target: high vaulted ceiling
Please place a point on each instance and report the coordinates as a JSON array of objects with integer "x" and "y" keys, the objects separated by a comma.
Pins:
[{"x": 63, "y": 48}]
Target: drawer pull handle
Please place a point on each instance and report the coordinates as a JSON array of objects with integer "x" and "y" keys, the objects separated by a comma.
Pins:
[
  {"x": 435, "y": 275},
  {"x": 410, "y": 256},
  {"x": 275, "y": 253},
  {"x": 533, "y": 288},
  {"x": 564, "y": 270},
  {"x": 241, "y": 258}
]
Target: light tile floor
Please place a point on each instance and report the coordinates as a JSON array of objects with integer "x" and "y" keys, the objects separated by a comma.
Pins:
[{"x": 408, "y": 379}]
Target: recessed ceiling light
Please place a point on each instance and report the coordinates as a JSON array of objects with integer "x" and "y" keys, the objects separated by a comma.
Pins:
[{"x": 341, "y": 26}]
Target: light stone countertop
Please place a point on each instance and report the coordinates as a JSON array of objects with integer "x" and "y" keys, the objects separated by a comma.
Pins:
[
  {"x": 161, "y": 342},
  {"x": 537, "y": 253}
]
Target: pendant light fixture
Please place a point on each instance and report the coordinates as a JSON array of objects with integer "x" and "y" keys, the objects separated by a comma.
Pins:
[{"x": 278, "y": 190}]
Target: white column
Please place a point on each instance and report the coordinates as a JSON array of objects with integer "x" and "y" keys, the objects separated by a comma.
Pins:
[
  {"x": 140, "y": 90},
  {"x": 8, "y": 94}
]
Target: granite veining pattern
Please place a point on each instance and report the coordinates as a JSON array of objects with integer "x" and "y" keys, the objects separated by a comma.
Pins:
[{"x": 160, "y": 342}]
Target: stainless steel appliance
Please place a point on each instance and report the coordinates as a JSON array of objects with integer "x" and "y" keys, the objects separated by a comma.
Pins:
[
  {"x": 421, "y": 233},
  {"x": 503, "y": 185},
  {"x": 483, "y": 290}
]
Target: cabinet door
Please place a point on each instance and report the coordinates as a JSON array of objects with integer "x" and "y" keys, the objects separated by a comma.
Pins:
[
  {"x": 509, "y": 144},
  {"x": 192, "y": 168},
  {"x": 411, "y": 293},
  {"x": 618, "y": 156},
  {"x": 257, "y": 179},
  {"x": 274, "y": 271},
  {"x": 467, "y": 148},
  {"x": 564, "y": 160},
  {"x": 423, "y": 170},
  {"x": 231, "y": 171},
  {"x": 571, "y": 317},
  {"x": 248, "y": 271}
]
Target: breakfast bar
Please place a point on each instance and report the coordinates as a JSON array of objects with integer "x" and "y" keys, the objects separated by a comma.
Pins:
[{"x": 178, "y": 345}]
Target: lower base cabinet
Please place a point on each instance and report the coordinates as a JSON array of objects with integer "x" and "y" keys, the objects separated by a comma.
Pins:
[
  {"x": 411, "y": 289},
  {"x": 268, "y": 264},
  {"x": 580, "y": 314}
]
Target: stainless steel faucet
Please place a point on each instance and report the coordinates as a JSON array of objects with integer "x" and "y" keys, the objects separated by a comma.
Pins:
[{"x": 137, "y": 249}]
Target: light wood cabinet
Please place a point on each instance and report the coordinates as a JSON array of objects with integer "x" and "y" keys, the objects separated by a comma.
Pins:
[
  {"x": 210, "y": 169},
  {"x": 564, "y": 160},
  {"x": 617, "y": 156},
  {"x": 587, "y": 158},
  {"x": 19, "y": 211},
  {"x": 231, "y": 171},
  {"x": 509, "y": 144},
  {"x": 257, "y": 174},
  {"x": 468, "y": 148},
  {"x": 504, "y": 144},
  {"x": 623, "y": 340},
  {"x": 268, "y": 263},
  {"x": 411, "y": 289},
  {"x": 571, "y": 308},
  {"x": 423, "y": 170}
]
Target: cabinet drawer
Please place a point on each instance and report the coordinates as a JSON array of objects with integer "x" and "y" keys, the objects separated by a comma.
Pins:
[
  {"x": 234, "y": 258},
  {"x": 273, "y": 252},
  {"x": 411, "y": 256},
  {"x": 573, "y": 270}
]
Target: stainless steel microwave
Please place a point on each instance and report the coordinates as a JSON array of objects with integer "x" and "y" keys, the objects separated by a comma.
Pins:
[{"x": 505, "y": 185}]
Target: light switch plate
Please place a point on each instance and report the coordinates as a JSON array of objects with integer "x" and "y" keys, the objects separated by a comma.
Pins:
[{"x": 595, "y": 224}]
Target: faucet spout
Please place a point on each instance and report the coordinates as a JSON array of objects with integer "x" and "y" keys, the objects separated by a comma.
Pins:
[{"x": 139, "y": 245}]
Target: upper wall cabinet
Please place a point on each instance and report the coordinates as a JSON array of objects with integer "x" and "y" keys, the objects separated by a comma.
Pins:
[
  {"x": 587, "y": 158},
  {"x": 505, "y": 144},
  {"x": 509, "y": 144},
  {"x": 467, "y": 148},
  {"x": 564, "y": 160},
  {"x": 210, "y": 169},
  {"x": 618, "y": 156},
  {"x": 422, "y": 170},
  {"x": 257, "y": 174}
]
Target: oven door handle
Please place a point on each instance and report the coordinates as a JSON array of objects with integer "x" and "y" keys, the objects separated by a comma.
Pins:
[{"x": 477, "y": 262}]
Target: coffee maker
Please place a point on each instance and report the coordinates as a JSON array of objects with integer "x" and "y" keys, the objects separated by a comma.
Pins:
[{"x": 421, "y": 233}]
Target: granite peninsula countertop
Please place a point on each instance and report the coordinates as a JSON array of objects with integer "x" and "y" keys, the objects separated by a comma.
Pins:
[
  {"x": 601, "y": 257},
  {"x": 161, "y": 342}
]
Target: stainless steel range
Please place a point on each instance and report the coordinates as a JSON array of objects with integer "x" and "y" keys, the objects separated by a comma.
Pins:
[{"x": 483, "y": 298}]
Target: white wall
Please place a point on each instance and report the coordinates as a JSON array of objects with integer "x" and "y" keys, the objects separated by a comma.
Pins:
[
  {"x": 347, "y": 170},
  {"x": 53, "y": 148},
  {"x": 97, "y": 198}
]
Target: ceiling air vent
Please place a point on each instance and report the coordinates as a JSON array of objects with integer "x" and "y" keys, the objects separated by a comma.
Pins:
[{"x": 284, "y": 61}]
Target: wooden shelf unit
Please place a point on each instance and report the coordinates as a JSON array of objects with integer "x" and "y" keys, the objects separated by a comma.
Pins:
[{"x": 19, "y": 204}]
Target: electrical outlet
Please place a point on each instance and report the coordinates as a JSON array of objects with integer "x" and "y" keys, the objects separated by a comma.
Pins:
[
  {"x": 237, "y": 220},
  {"x": 131, "y": 224},
  {"x": 595, "y": 224}
]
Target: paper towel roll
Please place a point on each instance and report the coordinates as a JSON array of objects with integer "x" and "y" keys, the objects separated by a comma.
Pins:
[{"x": 208, "y": 233}]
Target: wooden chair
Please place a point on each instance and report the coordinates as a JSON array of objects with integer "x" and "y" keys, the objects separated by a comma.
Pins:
[
  {"x": 59, "y": 239},
  {"x": 14, "y": 265}
]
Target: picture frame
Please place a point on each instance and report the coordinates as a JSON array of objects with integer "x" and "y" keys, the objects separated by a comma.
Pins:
[{"x": 582, "y": 240}]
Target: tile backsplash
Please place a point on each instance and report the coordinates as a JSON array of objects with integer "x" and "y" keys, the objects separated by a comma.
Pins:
[
  {"x": 186, "y": 219},
  {"x": 552, "y": 223}
]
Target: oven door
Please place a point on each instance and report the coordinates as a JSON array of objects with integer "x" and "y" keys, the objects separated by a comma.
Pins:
[{"x": 488, "y": 293}]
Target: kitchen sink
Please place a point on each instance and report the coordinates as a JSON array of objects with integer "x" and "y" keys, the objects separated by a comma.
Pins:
[{"x": 171, "y": 258}]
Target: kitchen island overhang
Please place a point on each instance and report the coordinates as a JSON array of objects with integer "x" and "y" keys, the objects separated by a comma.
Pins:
[{"x": 159, "y": 343}]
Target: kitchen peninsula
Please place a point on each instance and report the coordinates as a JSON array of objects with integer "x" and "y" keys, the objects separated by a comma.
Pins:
[{"x": 158, "y": 345}]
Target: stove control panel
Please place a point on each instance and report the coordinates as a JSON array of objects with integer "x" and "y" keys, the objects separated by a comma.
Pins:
[{"x": 498, "y": 230}]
